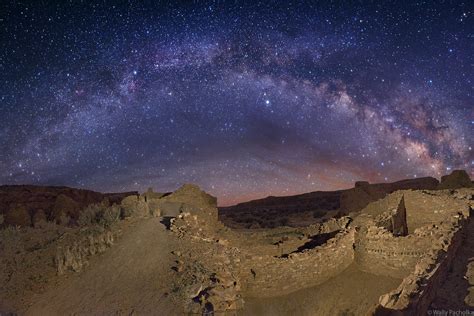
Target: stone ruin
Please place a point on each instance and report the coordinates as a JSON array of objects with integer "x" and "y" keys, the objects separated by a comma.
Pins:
[
  {"x": 314, "y": 207},
  {"x": 410, "y": 234}
]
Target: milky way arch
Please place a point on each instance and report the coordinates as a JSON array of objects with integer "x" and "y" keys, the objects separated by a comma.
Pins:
[{"x": 245, "y": 100}]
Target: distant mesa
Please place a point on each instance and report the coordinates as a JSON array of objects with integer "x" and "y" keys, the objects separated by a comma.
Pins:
[
  {"x": 314, "y": 207},
  {"x": 29, "y": 205}
]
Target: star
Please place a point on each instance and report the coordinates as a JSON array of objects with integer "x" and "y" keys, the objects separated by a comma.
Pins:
[{"x": 244, "y": 101}]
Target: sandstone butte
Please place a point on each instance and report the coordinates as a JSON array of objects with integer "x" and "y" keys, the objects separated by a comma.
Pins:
[{"x": 402, "y": 248}]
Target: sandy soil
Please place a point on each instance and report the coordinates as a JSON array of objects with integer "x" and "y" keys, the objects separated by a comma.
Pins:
[
  {"x": 353, "y": 292},
  {"x": 131, "y": 277}
]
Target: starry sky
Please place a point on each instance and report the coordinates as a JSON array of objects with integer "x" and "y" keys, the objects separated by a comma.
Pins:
[{"x": 246, "y": 99}]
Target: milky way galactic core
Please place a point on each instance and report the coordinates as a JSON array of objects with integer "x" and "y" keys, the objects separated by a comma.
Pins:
[{"x": 244, "y": 99}]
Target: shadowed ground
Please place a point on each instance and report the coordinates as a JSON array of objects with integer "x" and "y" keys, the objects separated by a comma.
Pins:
[{"x": 352, "y": 292}]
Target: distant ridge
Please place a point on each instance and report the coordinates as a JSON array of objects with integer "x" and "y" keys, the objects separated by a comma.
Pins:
[{"x": 274, "y": 209}]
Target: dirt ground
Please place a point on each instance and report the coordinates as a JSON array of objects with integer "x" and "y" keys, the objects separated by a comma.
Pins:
[
  {"x": 131, "y": 277},
  {"x": 352, "y": 292},
  {"x": 139, "y": 275}
]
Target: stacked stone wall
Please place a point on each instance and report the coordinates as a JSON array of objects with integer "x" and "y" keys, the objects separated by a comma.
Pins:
[
  {"x": 266, "y": 276},
  {"x": 378, "y": 252},
  {"x": 418, "y": 289},
  {"x": 73, "y": 252}
]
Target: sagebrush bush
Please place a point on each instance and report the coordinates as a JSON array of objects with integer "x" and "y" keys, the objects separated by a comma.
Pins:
[
  {"x": 126, "y": 212},
  {"x": 319, "y": 213},
  {"x": 88, "y": 215},
  {"x": 109, "y": 216},
  {"x": 100, "y": 214},
  {"x": 284, "y": 221}
]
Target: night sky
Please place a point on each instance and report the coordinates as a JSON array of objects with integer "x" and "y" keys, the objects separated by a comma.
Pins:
[{"x": 244, "y": 99}]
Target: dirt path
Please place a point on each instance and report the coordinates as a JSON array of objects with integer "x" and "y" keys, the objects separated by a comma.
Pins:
[{"x": 131, "y": 277}]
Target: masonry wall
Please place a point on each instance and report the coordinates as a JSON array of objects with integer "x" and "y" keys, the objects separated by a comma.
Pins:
[
  {"x": 394, "y": 220},
  {"x": 378, "y": 252},
  {"x": 74, "y": 250},
  {"x": 266, "y": 276},
  {"x": 417, "y": 290},
  {"x": 437, "y": 277},
  {"x": 425, "y": 208},
  {"x": 284, "y": 240}
]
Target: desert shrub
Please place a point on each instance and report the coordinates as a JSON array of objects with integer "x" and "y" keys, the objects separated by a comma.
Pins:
[
  {"x": 18, "y": 216},
  {"x": 88, "y": 215},
  {"x": 109, "y": 216},
  {"x": 126, "y": 212},
  {"x": 64, "y": 208},
  {"x": 283, "y": 221},
  {"x": 347, "y": 312},
  {"x": 267, "y": 216},
  {"x": 268, "y": 224},
  {"x": 247, "y": 219},
  {"x": 319, "y": 213},
  {"x": 9, "y": 231},
  {"x": 100, "y": 214}
]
